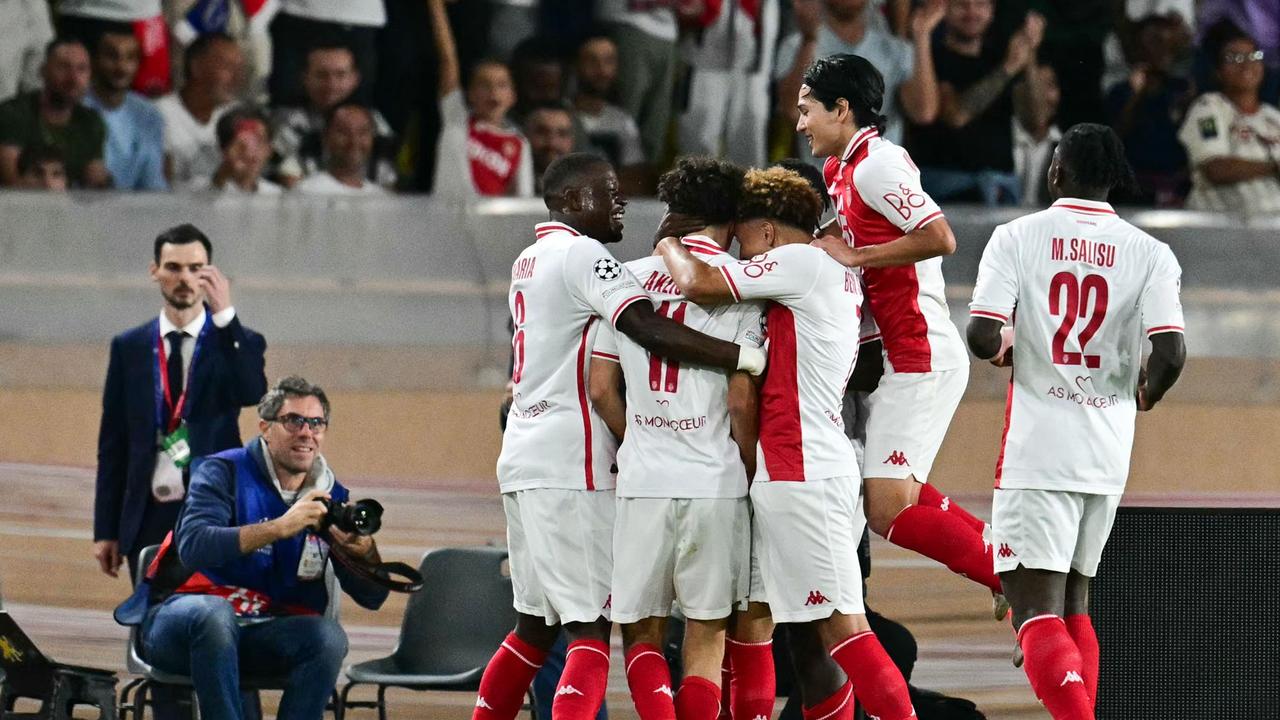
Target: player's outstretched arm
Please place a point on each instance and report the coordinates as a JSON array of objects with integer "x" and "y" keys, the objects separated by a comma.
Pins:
[
  {"x": 604, "y": 386},
  {"x": 1168, "y": 356},
  {"x": 698, "y": 281},
  {"x": 932, "y": 240},
  {"x": 744, "y": 419},
  {"x": 669, "y": 339}
]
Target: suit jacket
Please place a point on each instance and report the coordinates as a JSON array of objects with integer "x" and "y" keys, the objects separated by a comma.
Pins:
[{"x": 225, "y": 375}]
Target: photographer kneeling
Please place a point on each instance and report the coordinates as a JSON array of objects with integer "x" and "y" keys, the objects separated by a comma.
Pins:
[{"x": 252, "y": 594}]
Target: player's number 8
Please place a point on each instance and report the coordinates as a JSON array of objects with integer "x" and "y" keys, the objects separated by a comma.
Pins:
[{"x": 517, "y": 341}]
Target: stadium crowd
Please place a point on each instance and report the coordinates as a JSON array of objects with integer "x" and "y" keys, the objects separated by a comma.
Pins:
[{"x": 476, "y": 98}]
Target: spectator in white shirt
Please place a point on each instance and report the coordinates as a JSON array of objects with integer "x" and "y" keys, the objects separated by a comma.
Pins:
[
  {"x": 1232, "y": 137},
  {"x": 348, "y": 144},
  {"x": 246, "y": 146},
  {"x": 214, "y": 75}
]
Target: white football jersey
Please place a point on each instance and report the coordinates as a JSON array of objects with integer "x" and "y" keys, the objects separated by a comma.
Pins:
[
  {"x": 561, "y": 286},
  {"x": 1214, "y": 128},
  {"x": 811, "y": 355},
  {"x": 1085, "y": 286},
  {"x": 678, "y": 443}
]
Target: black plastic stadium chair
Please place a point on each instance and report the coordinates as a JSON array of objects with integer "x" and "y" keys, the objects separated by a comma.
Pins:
[
  {"x": 450, "y": 629},
  {"x": 137, "y": 695}
]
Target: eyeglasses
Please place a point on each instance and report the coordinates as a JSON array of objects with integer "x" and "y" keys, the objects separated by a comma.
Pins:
[
  {"x": 1239, "y": 57},
  {"x": 294, "y": 422}
]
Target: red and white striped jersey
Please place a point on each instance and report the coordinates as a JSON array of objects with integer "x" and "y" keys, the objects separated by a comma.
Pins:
[
  {"x": 561, "y": 286},
  {"x": 1086, "y": 286},
  {"x": 816, "y": 301},
  {"x": 678, "y": 443},
  {"x": 878, "y": 198}
]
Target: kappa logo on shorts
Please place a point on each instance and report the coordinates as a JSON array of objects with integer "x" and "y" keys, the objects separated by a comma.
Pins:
[
  {"x": 481, "y": 703},
  {"x": 897, "y": 458},
  {"x": 608, "y": 602},
  {"x": 1005, "y": 551},
  {"x": 816, "y": 598},
  {"x": 607, "y": 269},
  {"x": 1072, "y": 676}
]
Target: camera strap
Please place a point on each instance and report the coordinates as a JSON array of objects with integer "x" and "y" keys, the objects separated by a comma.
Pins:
[{"x": 381, "y": 574}]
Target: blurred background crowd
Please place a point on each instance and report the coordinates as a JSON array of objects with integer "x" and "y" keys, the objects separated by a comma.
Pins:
[{"x": 473, "y": 98}]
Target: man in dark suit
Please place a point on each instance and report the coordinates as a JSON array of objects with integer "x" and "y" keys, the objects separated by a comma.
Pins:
[{"x": 174, "y": 389}]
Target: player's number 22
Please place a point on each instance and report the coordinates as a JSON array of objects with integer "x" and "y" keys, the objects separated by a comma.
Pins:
[{"x": 1070, "y": 298}]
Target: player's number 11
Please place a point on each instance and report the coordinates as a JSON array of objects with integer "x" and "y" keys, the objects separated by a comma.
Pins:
[{"x": 664, "y": 375}]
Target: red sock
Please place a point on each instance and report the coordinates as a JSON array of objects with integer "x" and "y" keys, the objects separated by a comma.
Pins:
[
  {"x": 1080, "y": 627},
  {"x": 754, "y": 684},
  {"x": 930, "y": 497},
  {"x": 726, "y": 681},
  {"x": 650, "y": 680},
  {"x": 1054, "y": 667},
  {"x": 506, "y": 680},
  {"x": 582, "y": 685},
  {"x": 836, "y": 707},
  {"x": 698, "y": 699},
  {"x": 947, "y": 539},
  {"x": 876, "y": 681}
]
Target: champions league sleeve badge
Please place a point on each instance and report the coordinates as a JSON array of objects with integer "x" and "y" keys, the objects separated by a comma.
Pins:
[{"x": 607, "y": 269}]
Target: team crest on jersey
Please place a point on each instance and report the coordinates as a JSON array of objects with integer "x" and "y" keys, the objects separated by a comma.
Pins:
[{"x": 608, "y": 269}]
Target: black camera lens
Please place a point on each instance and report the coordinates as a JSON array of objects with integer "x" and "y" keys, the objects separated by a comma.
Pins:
[{"x": 363, "y": 517}]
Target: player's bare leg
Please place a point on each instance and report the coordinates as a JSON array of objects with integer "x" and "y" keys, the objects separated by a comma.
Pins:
[
  {"x": 895, "y": 513},
  {"x": 509, "y": 673},
  {"x": 876, "y": 681},
  {"x": 699, "y": 695},
  {"x": 749, "y": 647},
  {"x": 1052, "y": 660},
  {"x": 825, "y": 691},
  {"x": 647, "y": 672},
  {"x": 586, "y": 671}
]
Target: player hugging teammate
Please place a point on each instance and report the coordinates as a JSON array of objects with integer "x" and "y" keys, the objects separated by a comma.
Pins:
[{"x": 738, "y": 496}]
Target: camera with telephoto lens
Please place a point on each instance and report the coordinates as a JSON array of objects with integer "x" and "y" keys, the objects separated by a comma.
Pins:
[{"x": 362, "y": 517}]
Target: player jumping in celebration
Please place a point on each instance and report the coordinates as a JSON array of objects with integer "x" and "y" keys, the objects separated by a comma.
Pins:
[
  {"x": 895, "y": 232},
  {"x": 806, "y": 492},
  {"x": 683, "y": 528},
  {"x": 1086, "y": 287},
  {"x": 555, "y": 468}
]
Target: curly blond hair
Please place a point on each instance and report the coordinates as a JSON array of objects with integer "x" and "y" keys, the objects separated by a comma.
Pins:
[{"x": 782, "y": 195}]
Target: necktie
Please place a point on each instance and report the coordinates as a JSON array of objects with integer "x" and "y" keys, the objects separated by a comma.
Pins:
[{"x": 175, "y": 366}]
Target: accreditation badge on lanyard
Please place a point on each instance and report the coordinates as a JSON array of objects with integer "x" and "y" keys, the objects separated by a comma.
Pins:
[{"x": 174, "y": 454}]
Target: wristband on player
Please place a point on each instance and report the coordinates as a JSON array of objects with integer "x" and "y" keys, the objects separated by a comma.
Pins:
[{"x": 751, "y": 359}]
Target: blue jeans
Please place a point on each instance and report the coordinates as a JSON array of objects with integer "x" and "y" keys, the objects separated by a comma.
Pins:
[
  {"x": 995, "y": 187},
  {"x": 197, "y": 636}
]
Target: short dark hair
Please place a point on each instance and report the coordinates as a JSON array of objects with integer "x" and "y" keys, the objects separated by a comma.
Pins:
[
  {"x": 327, "y": 46},
  {"x": 199, "y": 47},
  {"x": 108, "y": 27},
  {"x": 1219, "y": 35},
  {"x": 780, "y": 194},
  {"x": 333, "y": 112},
  {"x": 182, "y": 235},
  {"x": 537, "y": 49},
  {"x": 704, "y": 187},
  {"x": 853, "y": 78},
  {"x": 61, "y": 40},
  {"x": 1092, "y": 156},
  {"x": 810, "y": 173},
  {"x": 287, "y": 387},
  {"x": 486, "y": 61},
  {"x": 32, "y": 156},
  {"x": 569, "y": 172},
  {"x": 230, "y": 123}
]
